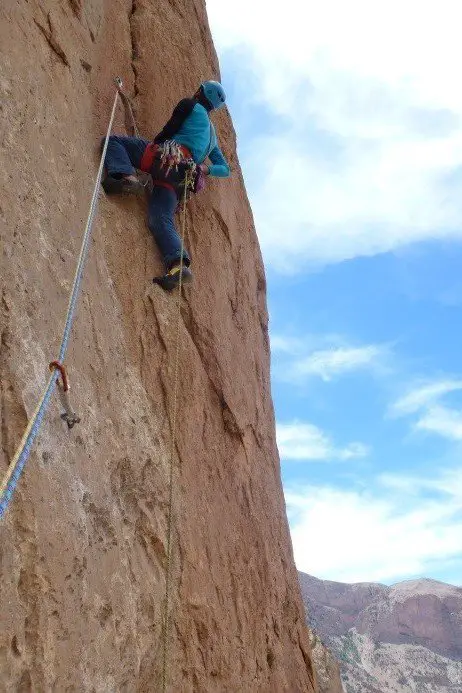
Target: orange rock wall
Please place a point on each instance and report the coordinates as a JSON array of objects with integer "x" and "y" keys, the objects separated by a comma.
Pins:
[{"x": 84, "y": 540}]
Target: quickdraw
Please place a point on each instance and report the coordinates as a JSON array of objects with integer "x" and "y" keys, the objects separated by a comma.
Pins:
[{"x": 69, "y": 415}]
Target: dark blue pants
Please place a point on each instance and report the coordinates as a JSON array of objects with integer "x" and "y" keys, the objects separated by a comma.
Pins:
[{"x": 123, "y": 156}]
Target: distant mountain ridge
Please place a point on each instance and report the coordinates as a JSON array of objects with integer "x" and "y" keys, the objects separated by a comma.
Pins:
[{"x": 403, "y": 638}]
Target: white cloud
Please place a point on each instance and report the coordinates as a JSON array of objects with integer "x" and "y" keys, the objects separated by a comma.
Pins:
[
  {"x": 323, "y": 356},
  {"x": 448, "y": 482},
  {"x": 442, "y": 421},
  {"x": 305, "y": 441},
  {"x": 433, "y": 417},
  {"x": 423, "y": 395},
  {"x": 370, "y": 123},
  {"x": 328, "y": 363},
  {"x": 384, "y": 535}
]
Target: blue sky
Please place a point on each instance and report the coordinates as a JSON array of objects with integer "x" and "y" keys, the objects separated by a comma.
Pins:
[{"x": 349, "y": 125}]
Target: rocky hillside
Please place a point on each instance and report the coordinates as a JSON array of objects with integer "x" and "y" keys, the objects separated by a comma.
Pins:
[
  {"x": 326, "y": 667},
  {"x": 84, "y": 539},
  {"x": 402, "y": 639}
]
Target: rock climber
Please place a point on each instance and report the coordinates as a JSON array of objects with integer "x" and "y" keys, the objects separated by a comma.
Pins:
[{"x": 176, "y": 157}]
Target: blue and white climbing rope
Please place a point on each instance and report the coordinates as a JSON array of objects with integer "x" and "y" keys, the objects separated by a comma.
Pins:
[{"x": 22, "y": 453}]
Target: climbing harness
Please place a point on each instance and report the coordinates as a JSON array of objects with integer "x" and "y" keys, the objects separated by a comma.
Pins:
[
  {"x": 22, "y": 453},
  {"x": 169, "y": 155},
  {"x": 171, "y": 165}
]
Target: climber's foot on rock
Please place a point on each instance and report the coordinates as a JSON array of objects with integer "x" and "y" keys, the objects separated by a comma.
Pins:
[
  {"x": 125, "y": 184},
  {"x": 172, "y": 279}
]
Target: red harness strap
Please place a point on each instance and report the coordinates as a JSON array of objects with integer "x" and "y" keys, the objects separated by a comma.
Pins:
[
  {"x": 150, "y": 152},
  {"x": 147, "y": 161}
]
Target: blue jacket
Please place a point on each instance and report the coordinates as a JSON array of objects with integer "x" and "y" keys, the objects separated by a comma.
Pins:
[{"x": 190, "y": 126}]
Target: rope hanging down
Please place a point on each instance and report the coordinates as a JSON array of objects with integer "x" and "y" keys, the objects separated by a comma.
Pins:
[
  {"x": 166, "y": 619},
  {"x": 22, "y": 453}
]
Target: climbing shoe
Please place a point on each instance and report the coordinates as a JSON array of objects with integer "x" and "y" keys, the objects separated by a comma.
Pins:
[
  {"x": 115, "y": 186},
  {"x": 172, "y": 279}
]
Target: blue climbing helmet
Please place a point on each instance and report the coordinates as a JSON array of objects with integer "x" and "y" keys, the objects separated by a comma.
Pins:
[{"x": 214, "y": 93}]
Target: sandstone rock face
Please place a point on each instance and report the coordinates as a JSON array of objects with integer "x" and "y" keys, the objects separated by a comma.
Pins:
[
  {"x": 84, "y": 539},
  {"x": 407, "y": 637}
]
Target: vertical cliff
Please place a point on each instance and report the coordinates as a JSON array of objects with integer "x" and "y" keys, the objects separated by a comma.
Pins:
[{"x": 84, "y": 540}]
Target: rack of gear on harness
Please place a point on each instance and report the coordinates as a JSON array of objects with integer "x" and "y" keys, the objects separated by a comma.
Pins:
[
  {"x": 172, "y": 155},
  {"x": 170, "y": 164}
]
